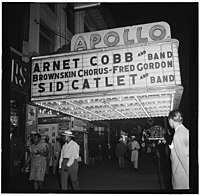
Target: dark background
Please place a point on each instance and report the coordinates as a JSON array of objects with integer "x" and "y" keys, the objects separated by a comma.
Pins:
[{"x": 183, "y": 20}]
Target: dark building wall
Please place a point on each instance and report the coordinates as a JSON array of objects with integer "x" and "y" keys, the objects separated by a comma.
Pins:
[
  {"x": 15, "y": 30},
  {"x": 16, "y": 23}
]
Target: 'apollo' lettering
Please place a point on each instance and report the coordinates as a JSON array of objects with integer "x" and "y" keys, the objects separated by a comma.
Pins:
[
  {"x": 121, "y": 36},
  {"x": 113, "y": 34}
]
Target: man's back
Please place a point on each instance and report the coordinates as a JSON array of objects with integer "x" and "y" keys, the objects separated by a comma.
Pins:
[{"x": 120, "y": 149}]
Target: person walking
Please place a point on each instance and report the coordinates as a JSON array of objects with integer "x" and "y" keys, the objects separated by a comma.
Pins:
[
  {"x": 68, "y": 163},
  {"x": 120, "y": 152},
  {"x": 56, "y": 154},
  {"x": 134, "y": 153},
  {"x": 179, "y": 151},
  {"x": 37, "y": 157},
  {"x": 49, "y": 156}
]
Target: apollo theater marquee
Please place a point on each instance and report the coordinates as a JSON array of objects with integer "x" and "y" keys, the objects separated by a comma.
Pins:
[{"x": 121, "y": 73}]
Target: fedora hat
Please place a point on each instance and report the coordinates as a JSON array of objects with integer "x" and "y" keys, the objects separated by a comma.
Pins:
[{"x": 68, "y": 133}]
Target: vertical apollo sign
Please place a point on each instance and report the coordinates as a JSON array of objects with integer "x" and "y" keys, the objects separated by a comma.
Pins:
[{"x": 133, "y": 66}]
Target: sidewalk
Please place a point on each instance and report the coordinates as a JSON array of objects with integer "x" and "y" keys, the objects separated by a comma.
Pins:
[{"x": 105, "y": 177}]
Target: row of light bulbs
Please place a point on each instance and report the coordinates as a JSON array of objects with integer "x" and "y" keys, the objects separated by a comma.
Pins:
[{"x": 86, "y": 100}]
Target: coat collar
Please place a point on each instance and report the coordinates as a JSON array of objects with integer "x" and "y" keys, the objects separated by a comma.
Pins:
[{"x": 178, "y": 127}]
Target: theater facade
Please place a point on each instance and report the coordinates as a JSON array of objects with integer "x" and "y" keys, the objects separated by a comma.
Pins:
[{"x": 122, "y": 73}]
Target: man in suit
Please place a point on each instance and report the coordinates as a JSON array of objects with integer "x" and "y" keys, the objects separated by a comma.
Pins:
[
  {"x": 179, "y": 151},
  {"x": 68, "y": 163},
  {"x": 120, "y": 152}
]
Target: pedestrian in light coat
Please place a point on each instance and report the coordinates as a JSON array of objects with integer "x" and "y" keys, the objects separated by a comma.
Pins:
[
  {"x": 68, "y": 163},
  {"x": 179, "y": 151},
  {"x": 134, "y": 153}
]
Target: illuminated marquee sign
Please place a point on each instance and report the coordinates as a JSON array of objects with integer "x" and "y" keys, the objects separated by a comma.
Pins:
[
  {"x": 95, "y": 71},
  {"x": 138, "y": 34}
]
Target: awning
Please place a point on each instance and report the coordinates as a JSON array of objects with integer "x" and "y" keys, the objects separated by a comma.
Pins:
[{"x": 123, "y": 105}]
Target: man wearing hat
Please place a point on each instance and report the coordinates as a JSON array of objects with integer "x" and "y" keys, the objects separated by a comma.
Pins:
[
  {"x": 134, "y": 153},
  {"x": 68, "y": 163}
]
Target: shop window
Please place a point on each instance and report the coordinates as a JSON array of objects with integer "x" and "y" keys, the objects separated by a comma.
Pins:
[{"x": 47, "y": 39}]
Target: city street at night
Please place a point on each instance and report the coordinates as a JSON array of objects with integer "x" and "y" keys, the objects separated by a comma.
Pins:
[{"x": 99, "y": 97}]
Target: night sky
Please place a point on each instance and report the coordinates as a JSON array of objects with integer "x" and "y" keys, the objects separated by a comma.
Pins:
[{"x": 183, "y": 21}]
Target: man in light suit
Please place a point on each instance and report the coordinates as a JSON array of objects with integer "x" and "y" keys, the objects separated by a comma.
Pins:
[
  {"x": 134, "y": 153},
  {"x": 68, "y": 163},
  {"x": 179, "y": 151}
]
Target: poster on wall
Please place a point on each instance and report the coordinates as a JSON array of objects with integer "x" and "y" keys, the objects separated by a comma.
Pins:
[
  {"x": 79, "y": 125},
  {"x": 31, "y": 118},
  {"x": 50, "y": 130},
  {"x": 64, "y": 126}
]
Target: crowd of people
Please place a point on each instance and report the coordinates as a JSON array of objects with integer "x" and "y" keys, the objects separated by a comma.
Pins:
[{"x": 65, "y": 155}]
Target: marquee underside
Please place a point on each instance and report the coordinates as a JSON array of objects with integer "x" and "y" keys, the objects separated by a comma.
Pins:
[{"x": 116, "y": 105}]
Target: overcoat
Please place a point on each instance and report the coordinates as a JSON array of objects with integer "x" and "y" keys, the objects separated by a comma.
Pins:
[{"x": 180, "y": 158}]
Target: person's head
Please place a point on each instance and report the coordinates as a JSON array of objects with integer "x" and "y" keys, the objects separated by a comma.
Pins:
[
  {"x": 67, "y": 136},
  {"x": 47, "y": 139},
  {"x": 175, "y": 118},
  {"x": 37, "y": 138}
]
